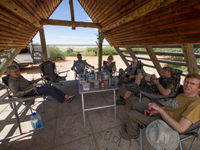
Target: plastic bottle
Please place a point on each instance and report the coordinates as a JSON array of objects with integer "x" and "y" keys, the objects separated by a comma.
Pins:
[{"x": 36, "y": 121}]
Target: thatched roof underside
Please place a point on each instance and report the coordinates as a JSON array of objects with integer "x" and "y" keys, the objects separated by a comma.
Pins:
[{"x": 123, "y": 22}]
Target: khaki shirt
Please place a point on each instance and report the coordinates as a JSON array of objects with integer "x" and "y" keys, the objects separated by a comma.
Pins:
[
  {"x": 19, "y": 85},
  {"x": 188, "y": 107}
]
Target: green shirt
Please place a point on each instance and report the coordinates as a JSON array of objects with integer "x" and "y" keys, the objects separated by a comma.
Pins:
[{"x": 19, "y": 85}]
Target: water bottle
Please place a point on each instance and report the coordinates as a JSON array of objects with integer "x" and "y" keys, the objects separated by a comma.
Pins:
[{"x": 36, "y": 121}]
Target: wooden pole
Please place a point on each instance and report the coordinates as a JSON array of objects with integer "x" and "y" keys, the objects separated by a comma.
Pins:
[
  {"x": 72, "y": 12},
  {"x": 8, "y": 61},
  {"x": 153, "y": 58},
  {"x": 190, "y": 59},
  {"x": 69, "y": 23},
  {"x": 122, "y": 56},
  {"x": 131, "y": 53},
  {"x": 43, "y": 45},
  {"x": 100, "y": 49}
]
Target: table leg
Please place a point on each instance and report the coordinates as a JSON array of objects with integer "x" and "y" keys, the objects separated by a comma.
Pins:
[
  {"x": 115, "y": 109},
  {"x": 83, "y": 109}
]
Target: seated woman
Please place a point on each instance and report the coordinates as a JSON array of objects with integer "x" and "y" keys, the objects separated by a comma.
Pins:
[
  {"x": 21, "y": 87},
  {"x": 80, "y": 65},
  {"x": 109, "y": 65}
]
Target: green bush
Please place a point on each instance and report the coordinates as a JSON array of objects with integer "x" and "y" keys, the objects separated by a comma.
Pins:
[
  {"x": 71, "y": 52},
  {"x": 108, "y": 50},
  {"x": 56, "y": 53},
  {"x": 91, "y": 51}
]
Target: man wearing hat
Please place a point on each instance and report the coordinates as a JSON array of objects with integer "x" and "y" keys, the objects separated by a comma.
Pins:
[{"x": 179, "y": 114}]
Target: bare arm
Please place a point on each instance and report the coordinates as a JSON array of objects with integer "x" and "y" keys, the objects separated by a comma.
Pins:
[
  {"x": 180, "y": 126},
  {"x": 161, "y": 89}
]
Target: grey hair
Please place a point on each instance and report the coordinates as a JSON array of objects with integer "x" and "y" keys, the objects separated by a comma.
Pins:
[{"x": 12, "y": 67}]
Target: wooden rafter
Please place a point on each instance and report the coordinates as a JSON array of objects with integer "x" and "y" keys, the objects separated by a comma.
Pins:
[
  {"x": 72, "y": 12},
  {"x": 145, "y": 9},
  {"x": 13, "y": 7},
  {"x": 69, "y": 23},
  {"x": 153, "y": 58},
  {"x": 190, "y": 59}
]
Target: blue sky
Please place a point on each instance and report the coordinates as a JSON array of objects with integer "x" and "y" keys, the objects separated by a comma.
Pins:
[{"x": 65, "y": 35}]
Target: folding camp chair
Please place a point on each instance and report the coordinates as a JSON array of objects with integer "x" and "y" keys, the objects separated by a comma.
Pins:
[
  {"x": 156, "y": 97},
  {"x": 27, "y": 101},
  {"x": 48, "y": 68},
  {"x": 193, "y": 131}
]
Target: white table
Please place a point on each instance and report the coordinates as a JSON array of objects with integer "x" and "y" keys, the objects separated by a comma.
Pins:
[{"x": 93, "y": 90}]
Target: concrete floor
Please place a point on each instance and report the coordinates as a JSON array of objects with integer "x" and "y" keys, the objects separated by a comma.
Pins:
[{"x": 63, "y": 126}]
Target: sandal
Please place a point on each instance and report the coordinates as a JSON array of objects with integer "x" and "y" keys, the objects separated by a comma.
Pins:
[{"x": 70, "y": 99}]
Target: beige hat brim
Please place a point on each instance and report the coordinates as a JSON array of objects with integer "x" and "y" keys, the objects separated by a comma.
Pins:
[{"x": 173, "y": 140}]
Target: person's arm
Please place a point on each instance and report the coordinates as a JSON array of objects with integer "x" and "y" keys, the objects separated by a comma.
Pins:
[
  {"x": 161, "y": 89},
  {"x": 89, "y": 65},
  {"x": 73, "y": 67},
  {"x": 114, "y": 68},
  {"x": 180, "y": 126}
]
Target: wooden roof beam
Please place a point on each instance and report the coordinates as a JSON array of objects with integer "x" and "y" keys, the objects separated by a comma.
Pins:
[
  {"x": 69, "y": 23},
  {"x": 14, "y": 8},
  {"x": 138, "y": 13},
  {"x": 72, "y": 12}
]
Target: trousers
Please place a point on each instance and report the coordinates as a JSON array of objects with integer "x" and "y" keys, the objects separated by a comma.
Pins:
[
  {"x": 48, "y": 91},
  {"x": 137, "y": 117}
]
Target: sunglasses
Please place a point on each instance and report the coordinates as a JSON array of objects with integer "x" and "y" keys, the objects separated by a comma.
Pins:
[{"x": 110, "y": 58}]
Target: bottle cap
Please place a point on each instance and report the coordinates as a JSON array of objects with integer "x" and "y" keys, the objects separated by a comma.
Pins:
[{"x": 33, "y": 114}]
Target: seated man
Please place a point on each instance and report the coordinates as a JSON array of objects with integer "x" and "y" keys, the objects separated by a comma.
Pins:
[
  {"x": 129, "y": 74},
  {"x": 109, "y": 65},
  {"x": 163, "y": 85},
  {"x": 80, "y": 65},
  {"x": 21, "y": 87},
  {"x": 180, "y": 113}
]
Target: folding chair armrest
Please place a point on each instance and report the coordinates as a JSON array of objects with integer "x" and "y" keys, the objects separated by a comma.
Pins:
[
  {"x": 64, "y": 72},
  {"x": 157, "y": 96}
]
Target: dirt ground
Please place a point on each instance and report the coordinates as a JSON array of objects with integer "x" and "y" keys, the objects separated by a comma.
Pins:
[{"x": 33, "y": 71}]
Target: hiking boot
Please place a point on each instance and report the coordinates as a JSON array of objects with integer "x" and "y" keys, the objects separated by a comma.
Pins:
[
  {"x": 125, "y": 135},
  {"x": 121, "y": 101}
]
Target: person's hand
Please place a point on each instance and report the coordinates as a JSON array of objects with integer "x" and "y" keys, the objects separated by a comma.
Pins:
[
  {"x": 155, "y": 81},
  {"x": 154, "y": 106},
  {"x": 139, "y": 76}
]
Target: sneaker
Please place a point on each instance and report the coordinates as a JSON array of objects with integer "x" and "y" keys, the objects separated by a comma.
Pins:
[{"x": 121, "y": 101}]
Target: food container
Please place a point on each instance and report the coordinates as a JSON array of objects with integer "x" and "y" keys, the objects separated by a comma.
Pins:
[
  {"x": 96, "y": 84},
  {"x": 91, "y": 79},
  {"x": 86, "y": 86}
]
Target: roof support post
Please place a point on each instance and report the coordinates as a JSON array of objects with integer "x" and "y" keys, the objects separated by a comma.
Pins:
[
  {"x": 100, "y": 49},
  {"x": 122, "y": 56},
  {"x": 153, "y": 58},
  {"x": 43, "y": 45},
  {"x": 8, "y": 61},
  {"x": 72, "y": 12},
  {"x": 131, "y": 53},
  {"x": 190, "y": 59}
]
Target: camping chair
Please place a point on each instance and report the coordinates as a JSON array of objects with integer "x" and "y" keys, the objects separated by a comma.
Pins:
[
  {"x": 156, "y": 97},
  {"x": 48, "y": 69},
  {"x": 193, "y": 131},
  {"x": 27, "y": 101}
]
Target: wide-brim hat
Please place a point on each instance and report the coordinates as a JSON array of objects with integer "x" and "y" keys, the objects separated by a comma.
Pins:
[{"x": 161, "y": 136}]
